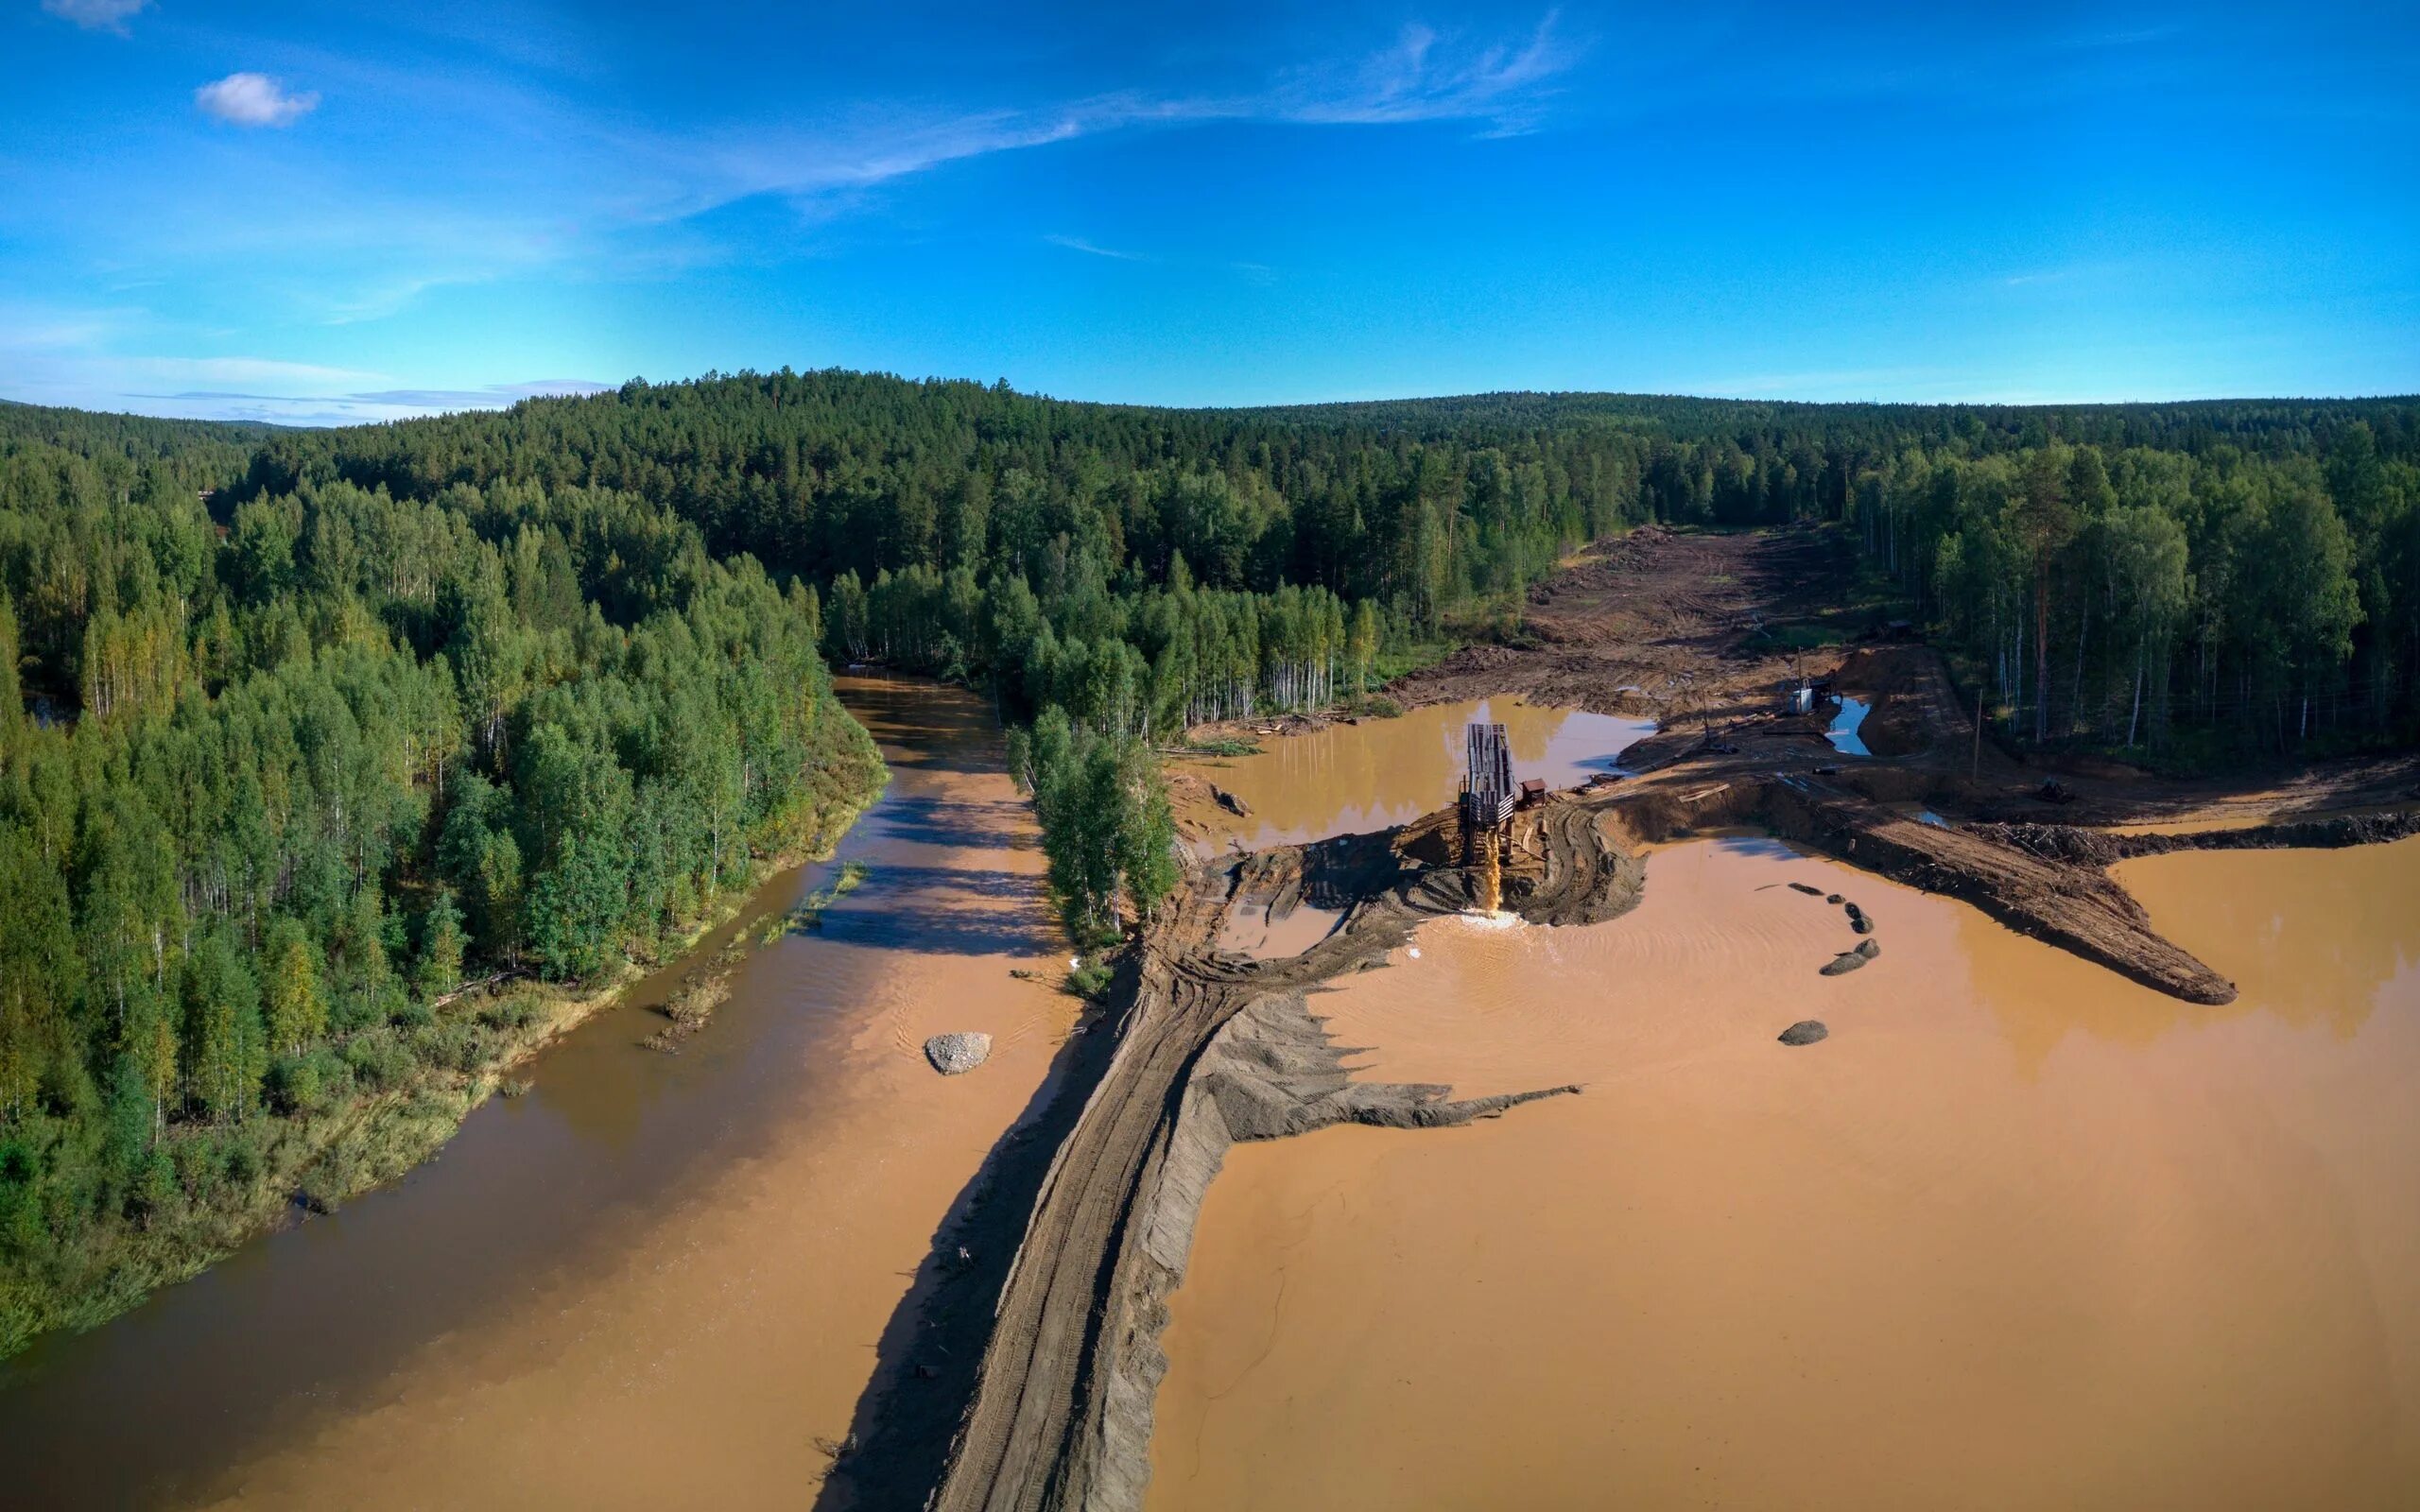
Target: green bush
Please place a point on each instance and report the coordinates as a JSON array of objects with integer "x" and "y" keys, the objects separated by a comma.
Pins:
[
  {"x": 457, "y": 1046},
  {"x": 294, "y": 1084},
  {"x": 515, "y": 1011},
  {"x": 378, "y": 1059}
]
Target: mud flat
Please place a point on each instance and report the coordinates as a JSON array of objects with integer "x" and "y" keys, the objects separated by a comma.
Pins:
[
  {"x": 2019, "y": 1234},
  {"x": 653, "y": 1281}
]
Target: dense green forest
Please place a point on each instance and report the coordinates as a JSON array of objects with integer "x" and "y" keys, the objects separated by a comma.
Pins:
[
  {"x": 277, "y": 780},
  {"x": 303, "y": 728}
]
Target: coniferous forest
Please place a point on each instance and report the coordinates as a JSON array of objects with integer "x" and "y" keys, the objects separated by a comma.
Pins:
[{"x": 304, "y": 731}]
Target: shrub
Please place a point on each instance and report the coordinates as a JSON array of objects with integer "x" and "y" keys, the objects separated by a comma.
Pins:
[
  {"x": 515, "y": 1011},
  {"x": 294, "y": 1084},
  {"x": 378, "y": 1059}
]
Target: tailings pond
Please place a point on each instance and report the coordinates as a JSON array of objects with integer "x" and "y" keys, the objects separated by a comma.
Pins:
[
  {"x": 2018, "y": 1234},
  {"x": 653, "y": 1281},
  {"x": 1352, "y": 779}
]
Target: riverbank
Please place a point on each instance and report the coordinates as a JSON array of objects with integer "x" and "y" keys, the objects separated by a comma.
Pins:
[
  {"x": 652, "y": 1279},
  {"x": 410, "y": 1087}
]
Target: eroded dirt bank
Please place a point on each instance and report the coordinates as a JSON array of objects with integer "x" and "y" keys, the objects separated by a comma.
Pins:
[{"x": 1212, "y": 1049}]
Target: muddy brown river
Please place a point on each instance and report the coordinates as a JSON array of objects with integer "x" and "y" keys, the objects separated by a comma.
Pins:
[
  {"x": 2018, "y": 1234},
  {"x": 653, "y": 1280}
]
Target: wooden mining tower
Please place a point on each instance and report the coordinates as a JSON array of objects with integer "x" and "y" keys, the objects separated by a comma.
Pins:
[{"x": 1487, "y": 796}]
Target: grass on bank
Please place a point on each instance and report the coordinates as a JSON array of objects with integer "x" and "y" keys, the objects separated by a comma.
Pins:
[{"x": 808, "y": 914}]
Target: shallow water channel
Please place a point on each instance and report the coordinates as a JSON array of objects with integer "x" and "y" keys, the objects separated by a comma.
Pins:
[
  {"x": 2018, "y": 1234},
  {"x": 653, "y": 1280}
]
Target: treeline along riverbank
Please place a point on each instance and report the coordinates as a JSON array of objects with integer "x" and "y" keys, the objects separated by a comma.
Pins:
[
  {"x": 303, "y": 730},
  {"x": 278, "y": 785}
]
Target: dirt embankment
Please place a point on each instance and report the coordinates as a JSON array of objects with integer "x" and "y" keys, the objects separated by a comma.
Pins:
[
  {"x": 2077, "y": 846},
  {"x": 1212, "y": 1049},
  {"x": 1663, "y": 623}
]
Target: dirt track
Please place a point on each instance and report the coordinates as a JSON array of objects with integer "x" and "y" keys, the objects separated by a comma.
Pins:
[{"x": 1214, "y": 1048}]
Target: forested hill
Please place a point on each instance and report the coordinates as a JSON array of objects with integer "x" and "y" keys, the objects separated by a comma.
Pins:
[
  {"x": 2280, "y": 426},
  {"x": 2212, "y": 576},
  {"x": 194, "y": 450},
  {"x": 276, "y": 781}
]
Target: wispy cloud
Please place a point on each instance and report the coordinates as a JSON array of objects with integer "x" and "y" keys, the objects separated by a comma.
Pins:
[
  {"x": 1429, "y": 76},
  {"x": 253, "y": 99},
  {"x": 1077, "y": 244},
  {"x": 416, "y": 401},
  {"x": 1424, "y": 75},
  {"x": 97, "y": 16}
]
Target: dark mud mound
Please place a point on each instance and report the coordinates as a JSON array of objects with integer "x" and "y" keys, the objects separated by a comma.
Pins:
[
  {"x": 2078, "y": 908},
  {"x": 2078, "y": 845}
]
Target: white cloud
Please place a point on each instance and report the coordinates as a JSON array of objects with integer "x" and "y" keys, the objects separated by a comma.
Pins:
[
  {"x": 1077, "y": 244},
  {"x": 253, "y": 99},
  {"x": 1424, "y": 76},
  {"x": 1419, "y": 80},
  {"x": 96, "y": 16}
]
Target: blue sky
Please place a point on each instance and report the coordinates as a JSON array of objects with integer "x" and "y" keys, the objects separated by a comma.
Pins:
[{"x": 321, "y": 212}]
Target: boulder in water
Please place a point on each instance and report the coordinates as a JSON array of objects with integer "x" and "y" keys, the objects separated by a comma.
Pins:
[
  {"x": 1845, "y": 962},
  {"x": 952, "y": 1055},
  {"x": 1804, "y": 1032}
]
